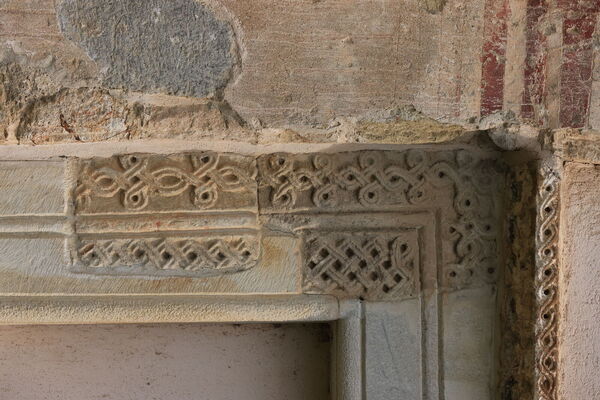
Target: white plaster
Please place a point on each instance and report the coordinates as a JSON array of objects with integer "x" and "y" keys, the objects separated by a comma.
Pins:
[
  {"x": 166, "y": 362},
  {"x": 579, "y": 296}
]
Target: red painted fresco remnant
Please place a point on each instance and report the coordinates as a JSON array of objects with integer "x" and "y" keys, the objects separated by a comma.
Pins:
[
  {"x": 579, "y": 24},
  {"x": 534, "y": 73},
  {"x": 493, "y": 57}
]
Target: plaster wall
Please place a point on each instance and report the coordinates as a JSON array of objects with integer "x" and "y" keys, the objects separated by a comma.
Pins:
[
  {"x": 167, "y": 362},
  {"x": 579, "y": 330}
]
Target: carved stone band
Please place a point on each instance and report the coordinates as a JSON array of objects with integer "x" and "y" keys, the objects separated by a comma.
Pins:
[{"x": 204, "y": 214}]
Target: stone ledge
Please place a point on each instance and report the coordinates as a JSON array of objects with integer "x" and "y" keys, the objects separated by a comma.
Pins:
[{"x": 32, "y": 310}]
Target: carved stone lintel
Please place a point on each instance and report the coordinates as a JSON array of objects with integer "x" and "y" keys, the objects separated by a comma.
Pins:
[
  {"x": 142, "y": 214},
  {"x": 189, "y": 214},
  {"x": 547, "y": 285}
]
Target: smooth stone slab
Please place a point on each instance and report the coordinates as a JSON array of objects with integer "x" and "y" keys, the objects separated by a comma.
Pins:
[
  {"x": 32, "y": 187},
  {"x": 469, "y": 318},
  {"x": 168, "y": 362},
  {"x": 393, "y": 350},
  {"x": 37, "y": 266}
]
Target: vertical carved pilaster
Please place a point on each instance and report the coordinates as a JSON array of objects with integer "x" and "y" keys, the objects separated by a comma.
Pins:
[{"x": 547, "y": 285}]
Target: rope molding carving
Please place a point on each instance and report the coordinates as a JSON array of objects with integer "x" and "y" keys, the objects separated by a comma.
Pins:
[{"x": 547, "y": 285}]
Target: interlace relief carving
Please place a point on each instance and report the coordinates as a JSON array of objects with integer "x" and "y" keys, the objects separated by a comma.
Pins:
[
  {"x": 320, "y": 180},
  {"x": 136, "y": 182},
  {"x": 369, "y": 265},
  {"x": 167, "y": 257},
  {"x": 547, "y": 286},
  {"x": 461, "y": 185},
  {"x": 457, "y": 185},
  {"x": 157, "y": 213}
]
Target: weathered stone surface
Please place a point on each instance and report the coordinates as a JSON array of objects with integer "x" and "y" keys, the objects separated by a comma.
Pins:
[
  {"x": 336, "y": 59},
  {"x": 332, "y": 59},
  {"x": 372, "y": 265},
  {"x": 43, "y": 266},
  {"x": 137, "y": 182},
  {"x": 579, "y": 332},
  {"x": 197, "y": 215},
  {"x": 457, "y": 183},
  {"x": 159, "y": 256},
  {"x": 400, "y": 234},
  {"x": 574, "y": 145},
  {"x": 394, "y": 353},
  {"x": 178, "y": 308},
  {"x": 468, "y": 343},
  {"x": 547, "y": 282},
  {"x": 32, "y": 187},
  {"x": 516, "y": 299},
  {"x": 162, "y": 362},
  {"x": 176, "y": 47},
  {"x": 373, "y": 256},
  {"x": 73, "y": 115}
]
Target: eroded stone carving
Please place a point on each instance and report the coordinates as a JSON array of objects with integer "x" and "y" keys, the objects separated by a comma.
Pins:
[
  {"x": 167, "y": 256},
  {"x": 460, "y": 184},
  {"x": 191, "y": 214},
  {"x": 137, "y": 182},
  {"x": 371, "y": 265},
  {"x": 366, "y": 179},
  {"x": 547, "y": 285},
  {"x": 115, "y": 198}
]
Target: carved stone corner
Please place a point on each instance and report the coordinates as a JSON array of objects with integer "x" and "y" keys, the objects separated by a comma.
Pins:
[{"x": 369, "y": 260}]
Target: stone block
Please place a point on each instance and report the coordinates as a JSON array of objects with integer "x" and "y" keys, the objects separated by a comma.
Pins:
[
  {"x": 393, "y": 351},
  {"x": 372, "y": 225},
  {"x": 371, "y": 265},
  {"x": 32, "y": 187},
  {"x": 138, "y": 182},
  {"x": 177, "y": 47},
  {"x": 460, "y": 185},
  {"x": 469, "y": 318}
]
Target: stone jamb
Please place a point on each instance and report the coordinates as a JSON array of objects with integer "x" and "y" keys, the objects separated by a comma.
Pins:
[{"x": 547, "y": 278}]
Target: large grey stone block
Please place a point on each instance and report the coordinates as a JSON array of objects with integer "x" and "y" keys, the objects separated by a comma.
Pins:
[{"x": 175, "y": 47}]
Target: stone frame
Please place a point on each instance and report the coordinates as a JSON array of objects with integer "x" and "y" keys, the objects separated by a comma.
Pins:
[
  {"x": 441, "y": 199},
  {"x": 547, "y": 284}
]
